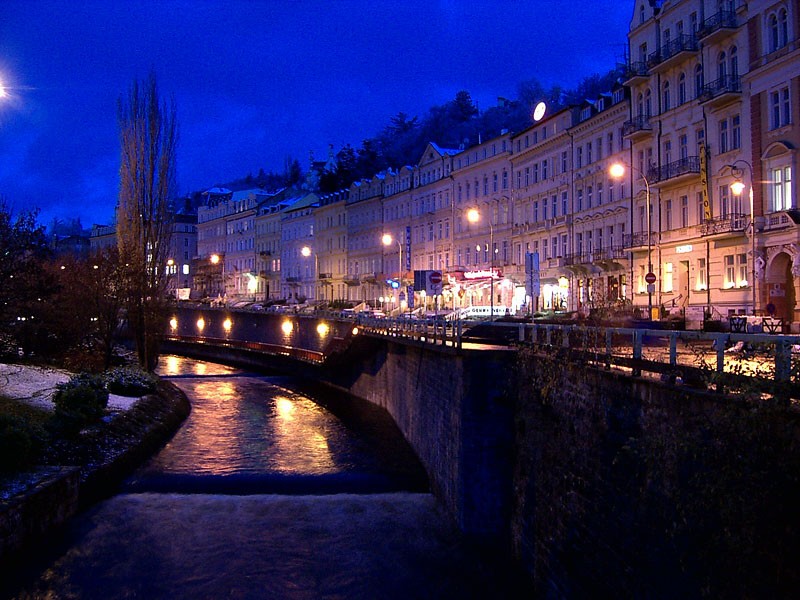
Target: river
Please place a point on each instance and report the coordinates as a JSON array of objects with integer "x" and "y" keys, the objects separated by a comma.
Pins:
[{"x": 268, "y": 492}]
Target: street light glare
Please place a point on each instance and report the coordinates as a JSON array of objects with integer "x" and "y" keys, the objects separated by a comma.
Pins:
[
  {"x": 737, "y": 187},
  {"x": 387, "y": 239},
  {"x": 617, "y": 170},
  {"x": 473, "y": 215},
  {"x": 305, "y": 251}
]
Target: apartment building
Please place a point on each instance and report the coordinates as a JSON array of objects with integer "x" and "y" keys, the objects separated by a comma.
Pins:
[{"x": 702, "y": 220}]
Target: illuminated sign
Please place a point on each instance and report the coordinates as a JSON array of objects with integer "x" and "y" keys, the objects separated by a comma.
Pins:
[
  {"x": 683, "y": 249},
  {"x": 481, "y": 274}
]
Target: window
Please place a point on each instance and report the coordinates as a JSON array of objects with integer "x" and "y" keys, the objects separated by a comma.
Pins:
[
  {"x": 564, "y": 203},
  {"x": 553, "y": 206},
  {"x": 610, "y": 143},
  {"x": 667, "y": 278},
  {"x": 780, "y": 108},
  {"x": 684, "y": 211},
  {"x": 683, "y": 146},
  {"x": 698, "y": 80},
  {"x": 564, "y": 162},
  {"x": 730, "y": 272},
  {"x": 578, "y": 158},
  {"x": 494, "y": 182},
  {"x": 723, "y": 136},
  {"x": 668, "y": 214},
  {"x": 736, "y": 132},
  {"x": 724, "y": 201},
  {"x": 701, "y": 212},
  {"x": 682, "y": 88},
  {"x": 579, "y": 201},
  {"x": 589, "y": 153},
  {"x": 589, "y": 197},
  {"x": 544, "y": 169},
  {"x": 648, "y": 103},
  {"x": 665, "y": 96},
  {"x": 599, "y": 193},
  {"x": 505, "y": 180},
  {"x": 741, "y": 270},
  {"x": 701, "y": 283},
  {"x": 780, "y": 188}
]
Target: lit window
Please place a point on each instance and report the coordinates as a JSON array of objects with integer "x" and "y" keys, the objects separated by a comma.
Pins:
[
  {"x": 730, "y": 271},
  {"x": 780, "y": 184},
  {"x": 667, "y": 278}
]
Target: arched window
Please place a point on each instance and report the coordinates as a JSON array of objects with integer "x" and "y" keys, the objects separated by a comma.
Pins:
[
  {"x": 733, "y": 62},
  {"x": 665, "y": 96},
  {"x": 722, "y": 66},
  {"x": 648, "y": 103},
  {"x": 783, "y": 24},
  {"x": 698, "y": 80},
  {"x": 640, "y": 104},
  {"x": 682, "y": 88},
  {"x": 774, "y": 43}
]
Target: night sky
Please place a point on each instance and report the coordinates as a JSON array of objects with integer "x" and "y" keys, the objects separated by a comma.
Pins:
[{"x": 257, "y": 81}]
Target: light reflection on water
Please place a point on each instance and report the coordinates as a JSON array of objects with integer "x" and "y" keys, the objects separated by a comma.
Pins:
[{"x": 245, "y": 424}]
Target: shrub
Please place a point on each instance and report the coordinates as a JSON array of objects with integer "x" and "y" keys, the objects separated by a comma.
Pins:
[
  {"x": 80, "y": 400},
  {"x": 129, "y": 381},
  {"x": 19, "y": 444}
]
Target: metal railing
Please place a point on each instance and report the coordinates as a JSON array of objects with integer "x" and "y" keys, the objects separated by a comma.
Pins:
[{"x": 682, "y": 166}]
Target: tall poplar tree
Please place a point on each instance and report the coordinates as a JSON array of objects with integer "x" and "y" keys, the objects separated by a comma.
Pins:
[{"x": 148, "y": 137}]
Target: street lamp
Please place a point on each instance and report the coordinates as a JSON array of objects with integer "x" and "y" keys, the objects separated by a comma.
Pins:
[
  {"x": 387, "y": 240},
  {"x": 214, "y": 259},
  {"x": 616, "y": 171},
  {"x": 306, "y": 251},
  {"x": 473, "y": 216},
  {"x": 737, "y": 187}
]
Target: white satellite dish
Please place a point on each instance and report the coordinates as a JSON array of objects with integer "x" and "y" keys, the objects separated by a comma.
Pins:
[{"x": 538, "y": 112}]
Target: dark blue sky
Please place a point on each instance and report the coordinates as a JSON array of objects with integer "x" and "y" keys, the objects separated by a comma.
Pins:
[{"x": 256, "y": 81}]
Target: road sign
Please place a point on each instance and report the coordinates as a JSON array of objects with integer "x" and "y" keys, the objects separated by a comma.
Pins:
[
  {"x": 435, "y": 277},
  {"x": 650, "y": 277}
]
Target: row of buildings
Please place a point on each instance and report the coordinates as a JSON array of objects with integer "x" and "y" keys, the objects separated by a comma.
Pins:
[{"x": 702, "y": 220}]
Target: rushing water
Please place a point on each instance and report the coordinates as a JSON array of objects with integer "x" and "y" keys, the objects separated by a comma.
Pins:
[{"x": 263, "y": 493}]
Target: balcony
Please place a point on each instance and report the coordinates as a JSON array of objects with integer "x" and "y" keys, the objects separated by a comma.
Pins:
[
  {"x": 293, "y": 280},
  {"x": 717, "y": 27},
  {"x": 675, "y": 172},
  {"x": 638, "y": 127},
  {"x": 639, "y": 240},
  {"x": 723, "y": 91},
  {"x": 326, "y": 275},
  {"x": 636, "y": 72},
  {"x": 729, "y": 224},
  {"x": 369, "y": 277},
  {"x": 672, "y": 52},
  {"x": 610, "y": 259},
  {"x": 352, "y": 280}
]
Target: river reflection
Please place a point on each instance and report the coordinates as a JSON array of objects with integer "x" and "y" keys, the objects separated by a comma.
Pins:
[{"x": 253, "y": 425}]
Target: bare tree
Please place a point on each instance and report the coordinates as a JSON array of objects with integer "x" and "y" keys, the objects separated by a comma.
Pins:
[{"x": 148, "y": 136}]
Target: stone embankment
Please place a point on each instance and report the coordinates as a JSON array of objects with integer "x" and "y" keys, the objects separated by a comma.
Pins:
[{"x": 94, "y": 465}]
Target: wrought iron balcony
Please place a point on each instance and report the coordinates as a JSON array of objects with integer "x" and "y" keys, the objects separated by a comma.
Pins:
[
  {"x": 326, "y": 275},
  {"x": 717, "y": 26},
  {"x": 734, "y": 223},
  {"x": 639, "y": 239},
  {"x": 636, "y": 72},
  {"x": 722, "y": 90},
  {"x": 685, "y": 166},
  {"x": 639, "y": 124},
  {"x": 662, "y": 57}
]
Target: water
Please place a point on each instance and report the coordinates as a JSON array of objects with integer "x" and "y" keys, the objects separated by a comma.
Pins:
[{"x": 263, "y": 493}]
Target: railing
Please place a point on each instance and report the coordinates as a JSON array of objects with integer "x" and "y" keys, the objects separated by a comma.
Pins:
[
  {"x": 724, "y": 19},
  {"x": 729, "y": 84},
  {"x": 637, "y": 124},
  {"x": 639, "y": 239},
  {"x": 722, "y": 360},
  {"x": 635, "y": 69},
  {"x": 690, "y": 164},
  {"x": 683, "y": 43},
  {"x": 727, "y": 224}
]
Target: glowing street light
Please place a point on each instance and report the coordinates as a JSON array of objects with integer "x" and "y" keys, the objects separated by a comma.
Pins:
[
  {"x": 387, "y": 240},
  {"x": 617, "y": 170},
  {"x": 306, "y": 251},
  {"x": 473, "y": 216}
]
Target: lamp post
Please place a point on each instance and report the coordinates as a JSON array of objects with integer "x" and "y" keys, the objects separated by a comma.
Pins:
[
  {"x": 387, "y": 240},
  {"x": 617, "y": 170},
  {"x": 306, "y": 251},
  {"x": 214, "y": 259},
  {"x": 473, "y": 216},
  {"x": 737, "y": 187}
]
